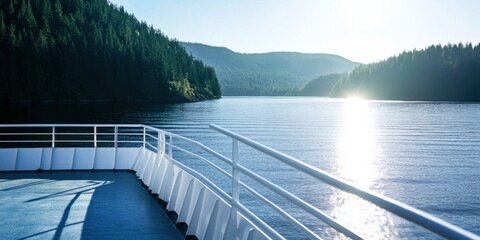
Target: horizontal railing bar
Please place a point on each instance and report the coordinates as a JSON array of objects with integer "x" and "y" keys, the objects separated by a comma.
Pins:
[
  {"x": 207, "y": 149},
  {"x": 66, "y": 141},
  {"x": 291, "y": 219},
  {"x": 300, "y": 203},
  {"x": 129, "y": 134},
  {"x": 75, "y": 134},
  {"x": 32, "y": 134},
  {"x": 257, "y": 221},
  {"x": 25, "y": 141},
  {"x": 205, "y": 160},
  {"x": 102, "y": 134},
  {"x": 100, "y": 141},
  {"x": 147, "y": 134},
  {"x": 69, "y": 134},
  {"x": 128, "y": 141},
  {"x": 409, "y": 213},
  {"x": 147, "y": 143},
  {"x": 152, "y": 128},
  {"x": 48, "y": 141},
  {"x": 75, "y": 125}
]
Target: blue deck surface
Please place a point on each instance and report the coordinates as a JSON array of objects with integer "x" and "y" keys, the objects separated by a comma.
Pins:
[{"x": 79, "y": 205}]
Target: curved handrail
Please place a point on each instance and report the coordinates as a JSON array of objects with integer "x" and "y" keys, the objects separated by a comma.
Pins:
[{"x": 409, "y": 213}]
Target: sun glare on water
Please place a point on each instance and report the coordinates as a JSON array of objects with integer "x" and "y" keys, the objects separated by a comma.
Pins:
[
  {"x": 356, "y": 163},
  {"x": 357, "y": 143}
]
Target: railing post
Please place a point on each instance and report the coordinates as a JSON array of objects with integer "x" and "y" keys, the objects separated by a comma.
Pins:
[
  {"x": 235, "y": 185},
  {"x": 95, "y": 136},
  {"x": 144, "y": 136},
  {"x": 115, "y": 137},
  {"x": 159, "y": 142},
  {"x": 235, "y": 172},
  {"x": 170, "y": 148},
  {"x": 53, "y": 136}
]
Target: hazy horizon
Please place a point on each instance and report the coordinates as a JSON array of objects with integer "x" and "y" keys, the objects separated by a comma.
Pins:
[{"x": 366, "y": 31}]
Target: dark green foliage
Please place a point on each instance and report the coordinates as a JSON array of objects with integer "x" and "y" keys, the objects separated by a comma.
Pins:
[
  {"x": 321, "y": 86},
  {"x": 276, "y": 73},
  {"x": 90, "y": 50},
  {"x": 448, "y": 73}
]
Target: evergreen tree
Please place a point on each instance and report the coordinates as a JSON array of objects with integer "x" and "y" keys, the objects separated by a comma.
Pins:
[
  {"x": 78, "y": 50},
  {"x": 438, "y": 72},
  {"x": 3, "y": 26}
]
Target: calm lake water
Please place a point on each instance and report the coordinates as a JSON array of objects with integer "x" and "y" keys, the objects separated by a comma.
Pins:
[{"x": 425, "y": 154}]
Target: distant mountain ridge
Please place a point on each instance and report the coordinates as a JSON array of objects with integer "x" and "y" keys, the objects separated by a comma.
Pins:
[{"x": 274, "y": 73}]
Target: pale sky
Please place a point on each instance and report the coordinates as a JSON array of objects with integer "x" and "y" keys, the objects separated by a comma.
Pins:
[{"x": 360, "y": 30}]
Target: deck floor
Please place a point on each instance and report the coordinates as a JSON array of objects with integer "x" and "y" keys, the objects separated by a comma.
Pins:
[{"x": 79, "y": 205}]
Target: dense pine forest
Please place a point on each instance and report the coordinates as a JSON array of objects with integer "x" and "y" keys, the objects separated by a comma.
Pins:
[
  {"x": 91, "y": 50},
  {"x": 442, "y": 73},
  {"x": 274, "y": 73}
]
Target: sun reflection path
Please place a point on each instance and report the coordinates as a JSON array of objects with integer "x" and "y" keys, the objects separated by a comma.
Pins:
[
  {"x": 357, "y": 144},
  {"x": 355, "y": 163}
]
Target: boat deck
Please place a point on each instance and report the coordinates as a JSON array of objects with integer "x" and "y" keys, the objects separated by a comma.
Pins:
[{"x": 80, "y": 204}]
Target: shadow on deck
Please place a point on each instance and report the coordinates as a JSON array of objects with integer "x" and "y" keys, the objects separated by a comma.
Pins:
[{"x": 80, "y": 204}]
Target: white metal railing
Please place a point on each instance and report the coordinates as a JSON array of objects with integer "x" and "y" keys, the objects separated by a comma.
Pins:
[
  {"x": 406, "y": 212},
  {"x": 80, "y": 135},
  {"x": 98, "y": 135}
]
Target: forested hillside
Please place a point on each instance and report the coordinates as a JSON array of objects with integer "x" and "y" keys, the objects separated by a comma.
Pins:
[
  {"x": 276, "y": 73},
  {"x": 321, "y": 86},
  {"x": 448, "y": 73},
  {"x": 90, "y": 50}
]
